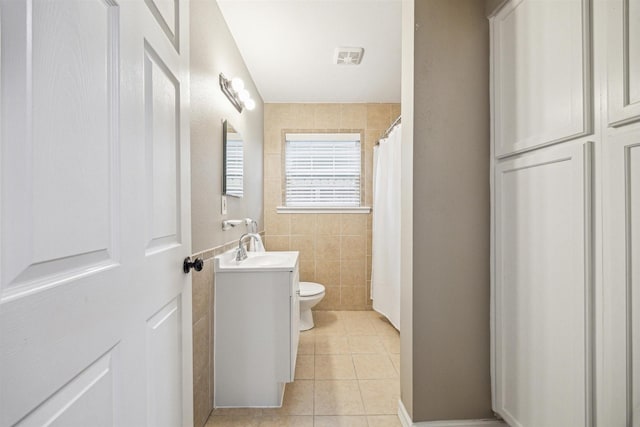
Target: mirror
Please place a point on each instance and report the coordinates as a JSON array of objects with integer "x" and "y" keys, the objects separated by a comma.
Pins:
[{"x": 233, "y": 162}]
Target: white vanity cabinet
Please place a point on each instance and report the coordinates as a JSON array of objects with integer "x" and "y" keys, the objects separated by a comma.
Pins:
[{"x": 256, "y": 316}]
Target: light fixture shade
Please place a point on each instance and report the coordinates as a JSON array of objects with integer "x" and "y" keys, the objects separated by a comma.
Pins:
[
  {"x": 236, "y": 93},
  {"x": 250, "y": 104},
  {"x": 237, "y": 84},
  {"x": 244, "y": 95}
]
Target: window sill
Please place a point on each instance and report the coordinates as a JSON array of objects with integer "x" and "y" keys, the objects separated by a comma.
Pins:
[{"x": 316, "y": 210}]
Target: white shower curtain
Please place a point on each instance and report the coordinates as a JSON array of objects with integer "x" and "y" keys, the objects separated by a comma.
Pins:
[{"x": 385, "y": 268}]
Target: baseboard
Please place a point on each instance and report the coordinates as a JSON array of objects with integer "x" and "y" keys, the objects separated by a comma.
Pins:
[{"x": 406, "y": 421}]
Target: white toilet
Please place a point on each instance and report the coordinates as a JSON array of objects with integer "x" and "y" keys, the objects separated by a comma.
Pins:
[{"x": 310, "y": 294}]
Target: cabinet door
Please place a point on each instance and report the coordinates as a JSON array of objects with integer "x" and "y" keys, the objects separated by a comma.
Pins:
[
  {"x": 541, "y": 73},
  {"x": 543, "y": 288},
  {"x": 621, "y": 302},
  {"x": 295, "y": 320},
  {"x": 623, "y": 51}
]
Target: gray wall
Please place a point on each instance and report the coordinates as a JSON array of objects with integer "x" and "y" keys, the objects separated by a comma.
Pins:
[
  {"x": 492, "y": 6},
  {"x": 448, "y": 371},
  {"x": 214, "y": 51}
]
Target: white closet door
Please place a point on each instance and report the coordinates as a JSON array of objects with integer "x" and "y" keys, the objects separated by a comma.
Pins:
[
  {"x": 95, "y": 312},
  {"x": 543, "y": 288}
]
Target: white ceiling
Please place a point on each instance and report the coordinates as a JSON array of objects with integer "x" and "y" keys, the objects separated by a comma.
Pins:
[{"x": 288, "y": 46}]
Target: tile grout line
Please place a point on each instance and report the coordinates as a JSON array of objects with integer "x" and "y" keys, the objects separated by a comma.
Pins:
[
  {"x": 313, "y": 402},
  {"x": 359, "y": 388}
]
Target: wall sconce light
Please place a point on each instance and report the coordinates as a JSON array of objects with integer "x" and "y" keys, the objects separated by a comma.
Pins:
[{"x": 237, "y": 94}]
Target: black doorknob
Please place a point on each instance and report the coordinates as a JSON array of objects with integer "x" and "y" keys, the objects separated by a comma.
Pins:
[{"x": 196, "y": 264}]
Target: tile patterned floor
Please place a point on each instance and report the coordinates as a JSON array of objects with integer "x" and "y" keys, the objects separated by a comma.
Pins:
[{"x": 347, "y": 375}]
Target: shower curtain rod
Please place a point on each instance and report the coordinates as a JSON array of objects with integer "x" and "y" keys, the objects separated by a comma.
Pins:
[{"x": 395, "y": 123}]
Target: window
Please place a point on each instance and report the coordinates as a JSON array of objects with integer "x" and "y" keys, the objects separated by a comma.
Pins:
[{"x": 322, "y": 170}]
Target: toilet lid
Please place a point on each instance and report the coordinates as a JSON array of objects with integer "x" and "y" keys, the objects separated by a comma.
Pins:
[{"x": 308, "y": 289}]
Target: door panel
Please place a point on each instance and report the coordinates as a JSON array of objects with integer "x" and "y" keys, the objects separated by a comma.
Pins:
[
  {"x": 73, "y": 65},
  {"x": 164, "y": 364},
  {"x": 541, "y": 75},
  {"x": 633, "y": 49},
  {"x": 621, "y": 350},
  {"x": 543, "y": 293},
  {"x": 632, "y": 181},
  {"x": 162, "y": 127},
  {"x": 623, "y": 50},
  {"x": 167, "y": 14},
  {"x": 93, "y": 388}
]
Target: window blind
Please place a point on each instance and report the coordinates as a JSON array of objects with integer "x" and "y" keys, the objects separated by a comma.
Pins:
[
  {"x": 234, "y": 167},
  {"x": 322, "y": 170}
]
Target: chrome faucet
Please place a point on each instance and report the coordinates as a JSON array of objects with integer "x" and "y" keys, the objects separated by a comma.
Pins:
[
  {"x": 241, "y": 252},
  {"x": 251, "y": 223}
]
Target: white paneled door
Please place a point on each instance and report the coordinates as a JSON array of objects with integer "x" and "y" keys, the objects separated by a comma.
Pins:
[
  {"x": 544, "y": 288},
  {"x": 95, "y": 311},
  {"x": 546, "y": 144},
  {"x": 621, "y": 218}
]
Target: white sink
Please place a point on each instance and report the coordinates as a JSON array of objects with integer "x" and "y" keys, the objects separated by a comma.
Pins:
[
  {"x": 264, "y": 259},
  {"x": 257, "y": 261}
]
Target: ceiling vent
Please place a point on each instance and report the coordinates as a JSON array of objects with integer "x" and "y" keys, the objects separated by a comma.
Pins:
[{"x": 348, "y": 55}]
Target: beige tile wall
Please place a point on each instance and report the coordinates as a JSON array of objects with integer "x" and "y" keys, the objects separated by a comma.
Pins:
[{"x": 335, "y": 249}]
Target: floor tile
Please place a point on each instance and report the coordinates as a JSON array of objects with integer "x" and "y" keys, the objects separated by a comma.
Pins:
[
  {"x": 382, "y": 326},
  {"x": 323, "y": 318},
  {"x": 232, "y": 421},
  {"x": 395, "y": 359},
  {"x": 373, "y": 366},
  {"x": 245, "y": 412},
  {"x": 359, "y": 327},
  {"x": 334, "y": 367},
  {"x": 305, "y": 367},
  {"x": 298, "y": 400},
  {"x": 340, "y": 421},
  {"x": 286, "y": 421},
  {"x": 359, "y": 315},
  {"x": 331, "y": 345},
  {"x": 365, "y": 344},
  {"x": 391, "y": 343},
  {"x": 380, "y": 397},
  {"x": 337, "y": 397},
  {"x": 307, "y": 343},
  {"x": 384, "y": 421},
  {"x": 336, "y": 328},
  {"x": 328, "y": 323}
]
